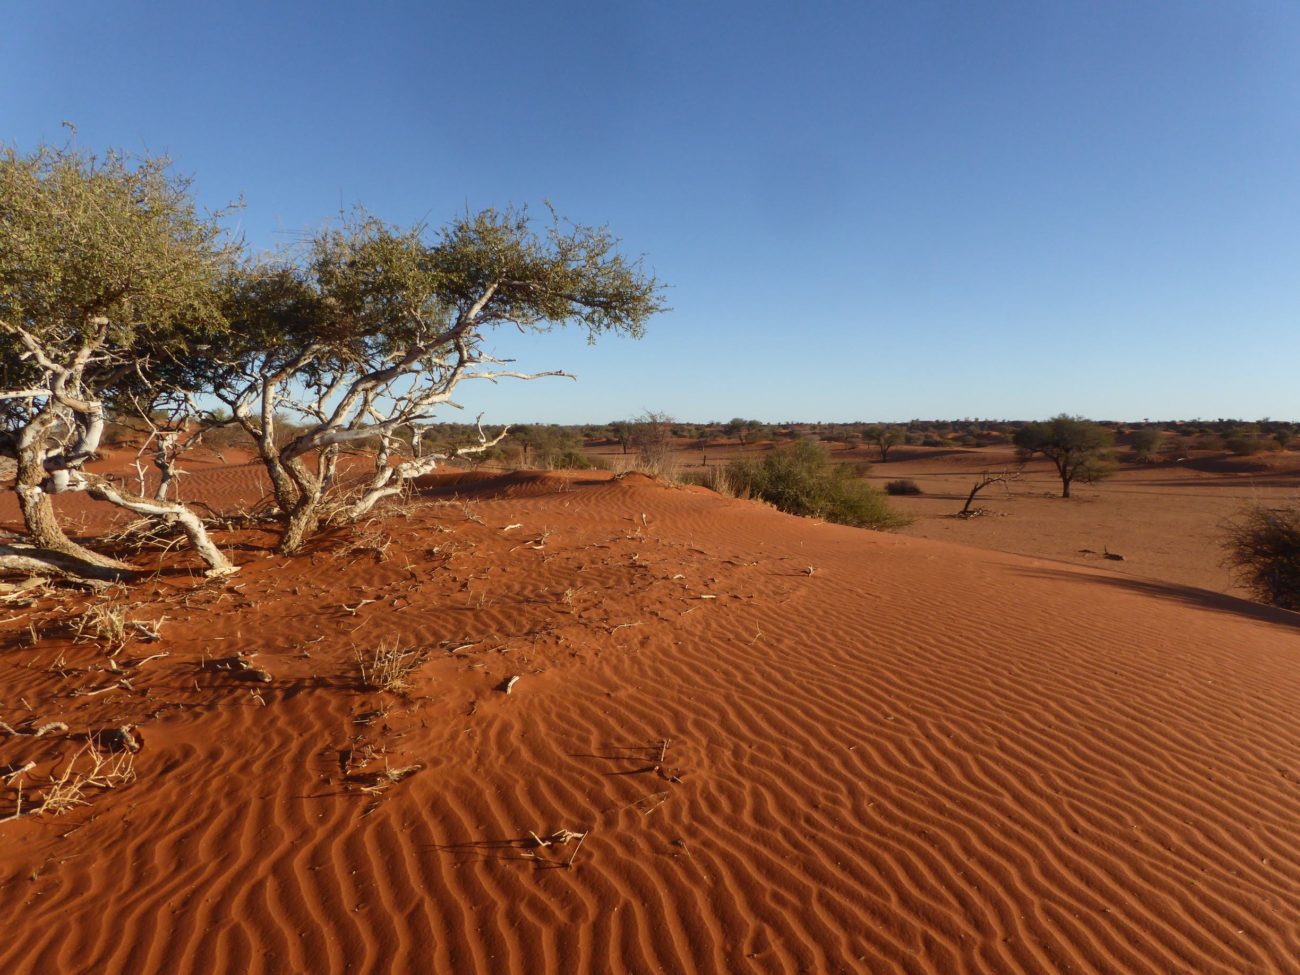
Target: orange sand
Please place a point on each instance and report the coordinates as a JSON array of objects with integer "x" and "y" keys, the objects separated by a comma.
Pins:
[{"x": 883, "y": 754}]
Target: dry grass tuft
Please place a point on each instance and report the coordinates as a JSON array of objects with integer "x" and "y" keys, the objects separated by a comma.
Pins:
[
  {"x": 105, "y": 624},
  {"x": 388, "y": 667},
  {"x": 72, "y": 787}
]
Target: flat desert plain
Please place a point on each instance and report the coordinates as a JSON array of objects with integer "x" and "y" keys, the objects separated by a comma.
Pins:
[{"x": 651, "y": 729}]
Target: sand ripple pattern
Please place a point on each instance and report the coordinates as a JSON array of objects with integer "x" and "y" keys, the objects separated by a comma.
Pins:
[{"x": 794, "y": 748}]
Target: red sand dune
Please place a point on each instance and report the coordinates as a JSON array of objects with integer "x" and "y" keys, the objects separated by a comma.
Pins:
[{"x": 792, "y": 747}]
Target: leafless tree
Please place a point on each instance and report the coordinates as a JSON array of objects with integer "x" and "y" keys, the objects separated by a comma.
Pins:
[{"x": 987, "y": 478}]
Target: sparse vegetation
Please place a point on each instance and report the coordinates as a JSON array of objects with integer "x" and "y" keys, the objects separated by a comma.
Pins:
[
  {"x": 106, "y": 624},
  {"x": 1074, "y": 445},
  {"x": 1145, "y": 443},
  {"x": 652, "y": 437},
  {"x": 66, "y": 790},
  {"x": 388, "y": 667},
  {"x": 1263, "y": 549},
  {"x": 117, "y": 293},
  {"x": 903, "y": 486},
  {"x": 885, "y": 439},
  {"x": 801, "y": 480}
]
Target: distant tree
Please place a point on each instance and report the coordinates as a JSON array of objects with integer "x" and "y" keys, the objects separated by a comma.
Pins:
[
  {"x": 1075, "y": 446},
  {"x": 1178, "y": 446},
  {"x": 1242, "y": 442},
  {"x": 548, "y": 447},
  {"x": 652, "y": 437},
  {"x": 743, "y": 430},
  {"x": 623, "y": 431},
  {"x": 885, "y": 438},
  {"x": 1145, "y": 443}
]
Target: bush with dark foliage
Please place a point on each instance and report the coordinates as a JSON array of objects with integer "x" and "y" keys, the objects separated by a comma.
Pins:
[
  {"x": 1263, "y": 549},
  {"x": 903, "y": 486}
]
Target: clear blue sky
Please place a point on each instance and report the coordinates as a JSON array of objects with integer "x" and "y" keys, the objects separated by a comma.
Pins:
[{"x": 866, "y": 210}]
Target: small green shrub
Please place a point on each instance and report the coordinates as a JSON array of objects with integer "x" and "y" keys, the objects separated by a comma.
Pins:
[
  {"x": 1241, "y": 445},
  {"x": 1263, "y": 549},
  {"x": 903, "y": 486},
  {"x": 1145, "y": 443},
  {"x": 569, "y": 459},
  {"x": 801, "y": 480}
]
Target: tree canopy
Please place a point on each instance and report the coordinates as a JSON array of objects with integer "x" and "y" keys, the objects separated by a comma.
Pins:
[
  {"x": 115, "y": 289},
  {"x": 107, "y": 269},
  {"x": 1075, "y": 446},
  {"x": 374, "y": 326}
]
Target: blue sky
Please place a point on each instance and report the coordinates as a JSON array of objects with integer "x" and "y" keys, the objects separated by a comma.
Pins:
[{"x": 866, "y": 210}]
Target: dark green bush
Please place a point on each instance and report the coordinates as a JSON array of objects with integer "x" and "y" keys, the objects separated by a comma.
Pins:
[
  {"x": 801, "y": 480},
  {"x": 1241, "y": 444},
  {"x": 1145, "y": 443},
  {"x": 1263, "y": 548},
  {"x": 903, "y": 486}
]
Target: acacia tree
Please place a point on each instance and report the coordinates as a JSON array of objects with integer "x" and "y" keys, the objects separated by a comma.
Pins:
[
  {"x": 1075, "y": 446},
  {"x": 743, "y": 429},
  {"x": 376, "y": 326},
  {"x": 885, "y": 438},
  {"x": 106, "y": 269},
  {"x": 623, "y": 431},
  {"x": 653, "y": 437}
]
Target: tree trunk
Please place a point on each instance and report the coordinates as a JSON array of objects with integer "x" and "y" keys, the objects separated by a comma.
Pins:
[
  {"x": 286, "y": 495},
  {"x": 304, "y": 514},
  {"x": 42, "y": 527},
  {"x": 302, "y": 524}
]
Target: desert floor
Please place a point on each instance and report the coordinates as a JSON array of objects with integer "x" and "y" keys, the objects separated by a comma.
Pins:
[{"x": 786, "y": 746}]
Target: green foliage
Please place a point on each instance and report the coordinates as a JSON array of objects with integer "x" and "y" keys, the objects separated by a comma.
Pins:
[
  {"x": 745, "y": 431},
  {"x": 374, "y": 326},
  {"x": 800, "y": 479},
  {"x": 106, "y": 267},
  {"x": 1242, "y": 443},
  {"x": 885, "y": 438},
  {"x": 1263, "y": 548},
  {"x": 550, "y": 447},
  {"x": 1076, "y": 446},
  {"x": 1145, "y": 443},
  {"x": 115, "y": 238}
]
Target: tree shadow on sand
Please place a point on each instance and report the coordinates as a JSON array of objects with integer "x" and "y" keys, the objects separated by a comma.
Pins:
[{"x": 1187, "y": 595}]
